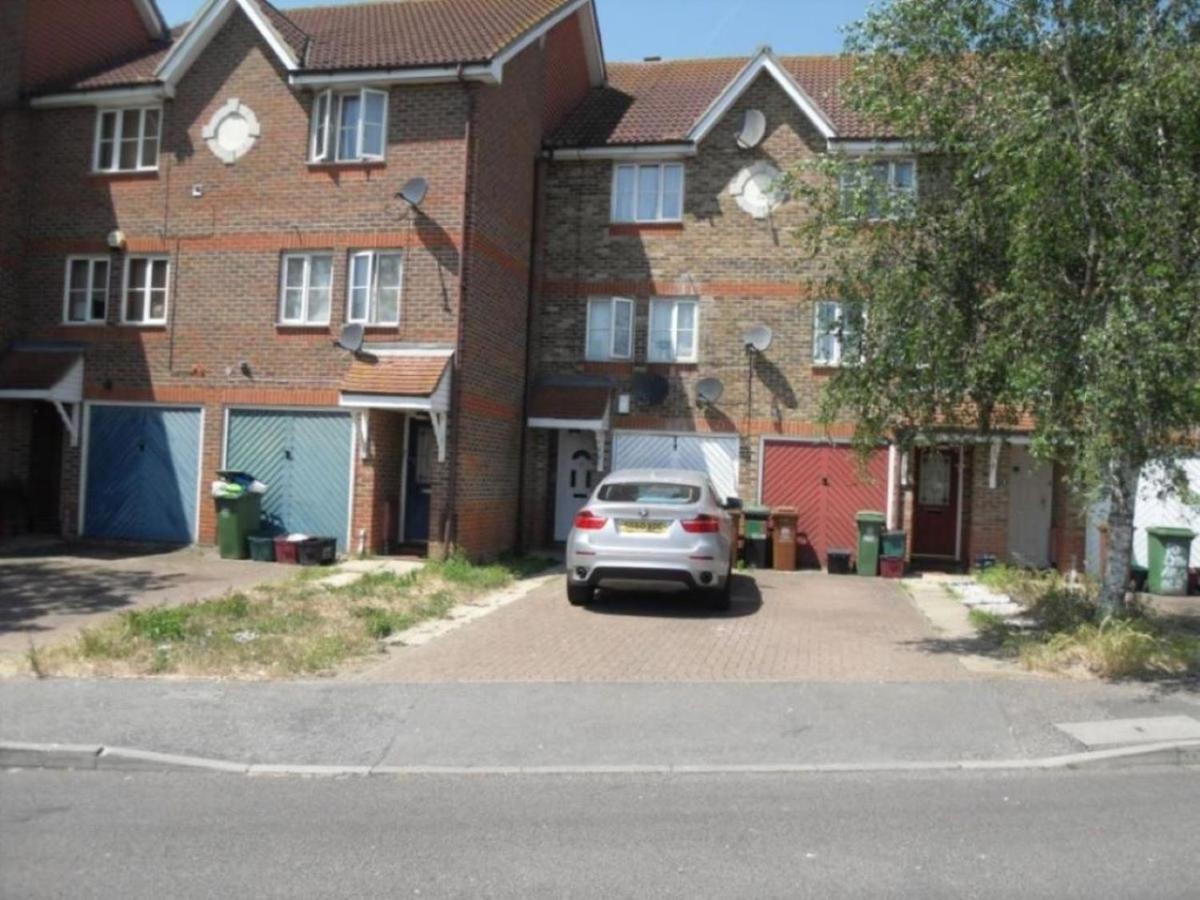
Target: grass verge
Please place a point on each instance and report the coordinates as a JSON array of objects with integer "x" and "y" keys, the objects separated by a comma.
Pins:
[
  {"x": 1059, "y": 631},
  {"x": 293, "y": 627}
]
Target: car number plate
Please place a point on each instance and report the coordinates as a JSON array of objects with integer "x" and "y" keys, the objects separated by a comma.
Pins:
[{"x": 635, "y": 526}]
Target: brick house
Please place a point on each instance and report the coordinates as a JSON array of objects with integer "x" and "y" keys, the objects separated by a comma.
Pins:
[
  {"x": 569, "y": 286},
  {"x": 191, "y": 218},
  {"x": 662, "y": 250}
]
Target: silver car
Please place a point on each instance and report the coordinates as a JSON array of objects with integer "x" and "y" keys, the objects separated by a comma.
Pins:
[{"x": 653, "y": 525}]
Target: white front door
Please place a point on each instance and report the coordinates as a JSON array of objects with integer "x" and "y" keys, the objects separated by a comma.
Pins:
[
  {"x": 576, "y": 477},
  {"x": 1030, "y": 494}
]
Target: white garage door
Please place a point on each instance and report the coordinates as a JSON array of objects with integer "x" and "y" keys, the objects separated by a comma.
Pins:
[{"x": 716, "y": 456}]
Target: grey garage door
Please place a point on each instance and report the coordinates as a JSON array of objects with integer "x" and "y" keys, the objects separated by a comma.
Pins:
[
  {"x": 143, "y": 466},
  {"x": 304, "y": 458},
  {"x": 716, "y": 456}
]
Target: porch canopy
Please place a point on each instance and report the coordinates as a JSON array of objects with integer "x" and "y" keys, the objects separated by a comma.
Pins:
[
  {"x": 582, "y": 406},
  {"x": 414, "y": 381},
  {"x": 49, "y": 372}
]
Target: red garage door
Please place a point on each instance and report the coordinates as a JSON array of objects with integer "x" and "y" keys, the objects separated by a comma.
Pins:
[{"x": 827, "y": 484}]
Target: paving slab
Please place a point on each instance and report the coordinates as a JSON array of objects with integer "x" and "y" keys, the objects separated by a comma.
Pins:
[{"x": 1114, "y": 732}]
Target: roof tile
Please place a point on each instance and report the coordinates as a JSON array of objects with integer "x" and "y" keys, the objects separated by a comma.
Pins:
[
  {"x": 401, "y": 376},
  {"x": 553, "y": 401}
]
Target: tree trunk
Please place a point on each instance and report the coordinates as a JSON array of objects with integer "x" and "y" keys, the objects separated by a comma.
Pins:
[{"x": 1122, "y": 494}]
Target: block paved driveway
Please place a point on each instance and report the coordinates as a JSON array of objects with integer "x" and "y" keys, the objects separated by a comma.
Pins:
[{"x": 783, "y": 627}]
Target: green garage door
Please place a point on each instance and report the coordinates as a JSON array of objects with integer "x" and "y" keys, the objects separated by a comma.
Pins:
[{"x": 304, "y": 459}]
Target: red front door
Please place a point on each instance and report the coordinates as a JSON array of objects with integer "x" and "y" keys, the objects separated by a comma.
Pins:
[{"x": 935, "y": 516}]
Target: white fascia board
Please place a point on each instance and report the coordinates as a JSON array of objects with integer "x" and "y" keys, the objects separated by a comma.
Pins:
[
  {"x": 642, "y": 151},
  {"x": 569, "y": 424},
  {"x": 204, "y": 28},
  {"x": 870, "y": 147},
  {"x": 502, "y": 58},
  {"x": 764, "y": 61},
  {"x": 140, "y": 95},
  {"x": 152, "y": 18},
  {"x": 594, "y": 46},
  {"x": 438, "y": 352},
  {"x": 385, "y": 401},
  {"x": 385, "y": 77}
]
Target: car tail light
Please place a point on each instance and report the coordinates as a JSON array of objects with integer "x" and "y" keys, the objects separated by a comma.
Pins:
[
  {"x": 589, "y": 521},
  {"x": 702, "y": 524}
]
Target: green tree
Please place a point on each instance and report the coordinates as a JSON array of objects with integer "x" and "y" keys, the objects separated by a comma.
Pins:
[{"x": 1050, "y": 270}]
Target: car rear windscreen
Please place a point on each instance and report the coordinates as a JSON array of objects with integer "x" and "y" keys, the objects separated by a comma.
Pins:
[{"x": 649, "y": 492}]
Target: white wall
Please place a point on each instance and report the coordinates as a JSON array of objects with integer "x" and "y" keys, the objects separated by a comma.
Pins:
[{"x": 1152, "y": 510}]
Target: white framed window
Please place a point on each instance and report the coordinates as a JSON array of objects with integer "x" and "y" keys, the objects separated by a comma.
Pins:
[
  {"x": 867, "y": 188},
  {"x": 375, "y": 282},
  {"x": 674, "y": 330},
  {"x": 349, "y": 126},
  {"x": 305, "y": 288},
  {"x": 145, "y": 290},
  {"x": 127, "y": 139},
  {"x": 85, "y": 295},
  {"x": 609, "y": 329},
  {"x": 837, "y": 333},
  {"x": 647, "y": 192}
]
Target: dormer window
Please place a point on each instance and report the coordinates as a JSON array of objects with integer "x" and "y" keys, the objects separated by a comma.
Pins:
[
  {"x": 349, "y": 126},
  {"x": 648, "y": 192},
  {"x": 127, "y": 140}
]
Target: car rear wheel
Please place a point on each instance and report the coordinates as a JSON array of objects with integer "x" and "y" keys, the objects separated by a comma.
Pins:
[
  {"x": 580, "y": 594},
  {"x": 721, "y": 599}
]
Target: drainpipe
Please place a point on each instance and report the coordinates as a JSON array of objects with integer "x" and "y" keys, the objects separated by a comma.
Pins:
[
  {"x": 449, "y": 527},
  {"x": 535, "y": 238}
]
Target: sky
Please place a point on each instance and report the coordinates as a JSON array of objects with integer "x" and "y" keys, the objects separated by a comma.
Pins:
[{"x": 635, "y": 29}]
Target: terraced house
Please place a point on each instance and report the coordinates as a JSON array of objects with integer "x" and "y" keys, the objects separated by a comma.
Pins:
[{"x": 428, "y": 269}]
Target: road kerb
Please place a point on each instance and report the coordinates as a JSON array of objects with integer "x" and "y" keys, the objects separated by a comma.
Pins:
[{"x": 22, "y": 755}]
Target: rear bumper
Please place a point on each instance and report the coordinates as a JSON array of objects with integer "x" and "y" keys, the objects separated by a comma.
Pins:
[{"x": 610, "y": 574}]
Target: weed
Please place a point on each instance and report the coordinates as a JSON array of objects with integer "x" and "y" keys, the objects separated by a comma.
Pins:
[
  {"x": 36, "y": 663},
  {"x": 1116, "y": 648},
  {"x": 381, "y": 623},
  {"x": 161, "y": 623},
  {"x": 990, "y": 626}
]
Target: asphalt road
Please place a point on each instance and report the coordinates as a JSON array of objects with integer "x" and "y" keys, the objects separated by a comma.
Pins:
[{"x": 1130, "y": 833}]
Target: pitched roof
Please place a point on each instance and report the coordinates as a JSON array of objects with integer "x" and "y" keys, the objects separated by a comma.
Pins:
[
  {"x": 391, "y": 34},
  {"x": 400, "y": 376},
  {"x": 660, "y": 102},
  {"x": 36, "y": 368}
]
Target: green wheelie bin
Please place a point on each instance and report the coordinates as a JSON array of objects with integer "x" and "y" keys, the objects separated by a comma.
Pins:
[
  {"x": 1168, "y": 550},
  {"x": 870, "y": 531}
]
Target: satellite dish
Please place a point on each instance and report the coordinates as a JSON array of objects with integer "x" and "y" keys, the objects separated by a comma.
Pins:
[
  {"x": 709, "y": 390},
  {"x": 753, "y": 130},
  {"x": 650, "y": 390},
  {"x": 758, "y": 337},
  {"x": 414, "y": 191},
  {"x": 351, "y": 337}
]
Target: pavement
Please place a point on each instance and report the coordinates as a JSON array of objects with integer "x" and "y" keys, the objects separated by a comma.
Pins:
[
  {"x": 783, "y": 626},
  {"x": 49, "y": 590},
  {"x": 1028, "y": 835}
]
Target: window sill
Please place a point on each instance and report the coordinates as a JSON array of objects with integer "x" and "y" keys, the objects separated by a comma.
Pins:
[
  {"x": 303, "y": 327},
  {"x": 98, "y": 323},
  {"x": 348, "y": 166},
  {"x": 131, "y": 175},
  {"x": 668, "y": 368},
  {"x": 631, "y": 229},
  {"x": 145, "y": 326}
]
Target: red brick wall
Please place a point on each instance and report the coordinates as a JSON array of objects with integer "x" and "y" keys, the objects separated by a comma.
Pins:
[
  {"x": 567, "y": 76},
  {"x": 66, "y": 38},
  {"x": 507, "y": 140}
]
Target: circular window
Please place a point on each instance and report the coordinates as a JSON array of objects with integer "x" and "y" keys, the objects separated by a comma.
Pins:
[
  {"x": 757, "y": 190},
  {"x": 232, "y": 131}
]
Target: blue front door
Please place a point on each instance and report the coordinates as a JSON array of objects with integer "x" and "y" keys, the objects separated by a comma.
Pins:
[
  {"x": 304, "y": 459},
  {"x": 143, "y": 466}
]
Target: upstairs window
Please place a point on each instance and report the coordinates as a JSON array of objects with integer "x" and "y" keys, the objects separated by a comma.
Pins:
[
  {"x": 86, "y": 293},
  {"x": 882, "y": 189},
  {"x": 375, "y": 280},
  {"x": 349, "y": 126},
  {"x": 146, "y": 290},
  {"x": 127, "y": 140},
  {"x": 610, "y": 329},
  {"x": 837, "y": 333},
  {"x": 673, "y": 331},
  {"x": 648, "y": 192},
  {"x": 307, "y": 289}
]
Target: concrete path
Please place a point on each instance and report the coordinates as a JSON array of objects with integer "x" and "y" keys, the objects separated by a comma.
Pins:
[
  {"x": 496, "y": 725},
  {"x": 783, "y": 627},
  {"x": 47, "y": 597}
]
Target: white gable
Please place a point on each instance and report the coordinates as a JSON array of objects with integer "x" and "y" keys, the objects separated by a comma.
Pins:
[
  {"x": 764, "y": 61},
  {"x": 204, "y": 28}
]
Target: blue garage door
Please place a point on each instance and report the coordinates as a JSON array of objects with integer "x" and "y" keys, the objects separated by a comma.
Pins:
[
  {"x": 304, "y": 459},
  {"x": 142, "y": 468}
]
